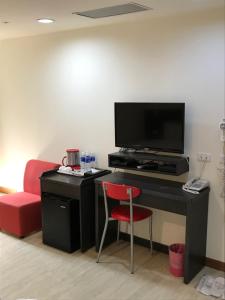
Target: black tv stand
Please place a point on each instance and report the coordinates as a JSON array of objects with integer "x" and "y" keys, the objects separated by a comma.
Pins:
[
  {"x": 149, "y": 162},
  {"x": 128, "y": 150},
  {"x": 148, "y": 166}
]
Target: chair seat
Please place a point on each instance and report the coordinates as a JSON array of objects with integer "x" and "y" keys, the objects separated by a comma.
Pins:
[
  {"x": 19, "y": 199},
  {"x": 122, "y": 213}
]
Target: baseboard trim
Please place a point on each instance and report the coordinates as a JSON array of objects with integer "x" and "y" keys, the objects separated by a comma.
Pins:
[
  {"x": 143, "y": 242},
  {"x": 215, "y": 264},
  {"x": 6, "y": 190},
  {"x": 209, "y": 262}
]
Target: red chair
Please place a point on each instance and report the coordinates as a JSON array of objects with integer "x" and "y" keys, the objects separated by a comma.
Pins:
[
  {"x": 127, "y": 213},
  {"x": 20, "y": 213}
]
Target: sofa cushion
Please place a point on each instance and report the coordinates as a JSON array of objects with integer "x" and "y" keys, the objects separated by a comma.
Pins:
[
  {"x": 33, "y": 171},
  {"x": 19, "y": 199},
  {"x": 20, "y": 213}
]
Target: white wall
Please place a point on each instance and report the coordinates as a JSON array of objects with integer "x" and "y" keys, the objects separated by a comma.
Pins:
[{"x": 57, "y": 91}]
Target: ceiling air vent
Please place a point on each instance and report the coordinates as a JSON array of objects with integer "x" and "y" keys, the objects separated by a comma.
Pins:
[{"x": 113, "y": 10}]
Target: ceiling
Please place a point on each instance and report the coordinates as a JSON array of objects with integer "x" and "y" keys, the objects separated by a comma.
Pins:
[{"x": 18, "y": 17}]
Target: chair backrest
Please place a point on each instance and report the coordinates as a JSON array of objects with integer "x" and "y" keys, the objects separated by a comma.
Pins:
[
  {"x": 33, "y": 171},
  {"x": 120, "y": 191}
]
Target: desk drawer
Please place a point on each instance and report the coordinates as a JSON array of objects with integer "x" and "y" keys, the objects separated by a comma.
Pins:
[
  {"x": 169, "y": 203},
  {"x": 61, "y": 189}
]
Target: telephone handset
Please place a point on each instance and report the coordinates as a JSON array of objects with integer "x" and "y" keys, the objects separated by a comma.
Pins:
[{"x": 195, "y": 185}]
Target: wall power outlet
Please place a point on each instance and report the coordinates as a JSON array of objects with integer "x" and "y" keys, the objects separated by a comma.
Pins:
[
  {"x": 222, "y": 125},
  {"x": 202, "y": 156}
]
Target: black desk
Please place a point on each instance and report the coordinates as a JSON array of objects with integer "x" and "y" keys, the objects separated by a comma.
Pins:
[{"x": 168, "y": 196}]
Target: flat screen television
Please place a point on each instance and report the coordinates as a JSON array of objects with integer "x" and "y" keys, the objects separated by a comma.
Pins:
[{"x": 156, "y": 126}]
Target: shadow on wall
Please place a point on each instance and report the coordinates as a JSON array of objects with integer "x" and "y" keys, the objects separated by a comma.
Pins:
[
  {"x": 12, "y": 163},
  {"x": 53, "y": 151}
]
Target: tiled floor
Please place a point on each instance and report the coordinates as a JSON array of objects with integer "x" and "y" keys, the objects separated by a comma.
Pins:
[{"x": 31, "y": 270}]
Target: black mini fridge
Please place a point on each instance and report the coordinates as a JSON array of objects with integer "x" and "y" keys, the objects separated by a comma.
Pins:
[
  {"x": 68, "y": 210},
  {"x": 60, "y": 220}
]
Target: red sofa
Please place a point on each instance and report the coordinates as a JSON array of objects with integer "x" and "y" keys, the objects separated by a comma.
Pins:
[{"x": 20, "y": 213}]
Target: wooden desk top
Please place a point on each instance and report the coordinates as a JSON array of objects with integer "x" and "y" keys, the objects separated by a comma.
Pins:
[{"x": 156, "y": 193}]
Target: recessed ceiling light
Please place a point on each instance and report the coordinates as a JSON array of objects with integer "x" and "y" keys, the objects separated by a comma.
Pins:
[{"x": 45, "y": 21}]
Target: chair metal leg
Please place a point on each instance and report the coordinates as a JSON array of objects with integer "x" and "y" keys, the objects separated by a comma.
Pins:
[
  {"x": 131, "y": 233},
  {"x": 118, "y": 231},
  {"x": 150, "y": 234},
  {"x": 132, "y": 248},
  {"x": 102, "y": 240}
]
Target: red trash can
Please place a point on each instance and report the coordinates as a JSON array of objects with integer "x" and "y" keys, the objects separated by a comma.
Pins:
[{"x": 176, "y": 258}]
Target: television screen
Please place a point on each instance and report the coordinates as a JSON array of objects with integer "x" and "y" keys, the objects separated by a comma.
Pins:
[{"x": 157, "y": 126}]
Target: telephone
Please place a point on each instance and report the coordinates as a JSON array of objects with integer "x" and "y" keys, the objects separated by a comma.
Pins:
[{"x": 195, "y": 185}]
